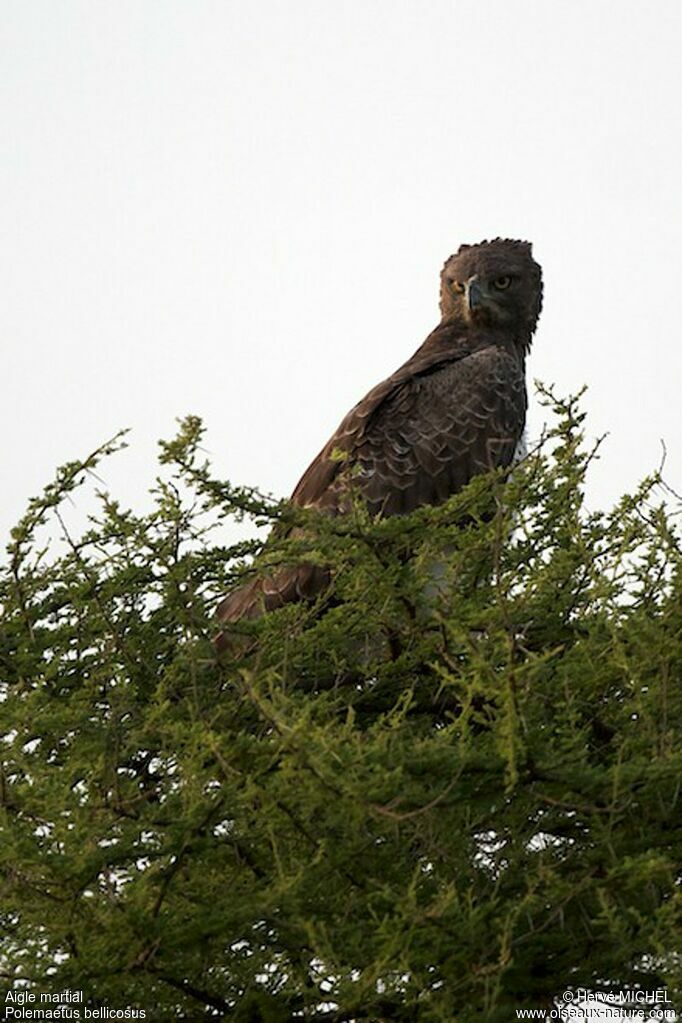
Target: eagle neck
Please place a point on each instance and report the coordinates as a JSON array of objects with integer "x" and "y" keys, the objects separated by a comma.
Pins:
[{"x": 455, "y": 340}]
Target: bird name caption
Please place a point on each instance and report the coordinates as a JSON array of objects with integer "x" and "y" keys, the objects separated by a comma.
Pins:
[{"x": 65, "y": 1004}]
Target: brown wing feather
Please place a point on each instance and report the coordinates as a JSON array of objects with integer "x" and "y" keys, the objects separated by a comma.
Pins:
[
  {"x": 455, "y": 409},
  {"x": 303, "y": 582},
  {"x": 429, "y": 440},
  {"x": 452, "y": 411},
  {"x": 442, "y": 346}
]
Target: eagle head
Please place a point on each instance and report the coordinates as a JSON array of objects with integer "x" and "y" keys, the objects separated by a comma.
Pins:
[{"x": 493, "y": 284}]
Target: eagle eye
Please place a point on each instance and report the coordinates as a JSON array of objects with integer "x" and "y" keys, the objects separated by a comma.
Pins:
[
  {"x": 501, "y": 283},
  {"x": 458, "y": 287}
]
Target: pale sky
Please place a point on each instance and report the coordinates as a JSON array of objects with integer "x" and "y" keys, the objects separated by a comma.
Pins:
[{"x": 240, "y": 210}]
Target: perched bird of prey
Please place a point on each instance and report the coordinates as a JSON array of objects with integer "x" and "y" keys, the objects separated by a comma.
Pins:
[{"x": 455, "y": 409}]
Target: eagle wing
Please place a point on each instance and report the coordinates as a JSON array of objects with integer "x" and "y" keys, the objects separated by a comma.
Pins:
[
  {"x": 454, "y": 410},
  {"x": 422, "y": 434}
]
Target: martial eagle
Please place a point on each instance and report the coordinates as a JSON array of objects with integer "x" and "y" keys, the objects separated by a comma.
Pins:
[{"x": 457, "y": 408}]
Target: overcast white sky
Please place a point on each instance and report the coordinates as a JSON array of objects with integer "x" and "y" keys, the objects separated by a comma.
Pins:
[{"x": 240, "y": 210}]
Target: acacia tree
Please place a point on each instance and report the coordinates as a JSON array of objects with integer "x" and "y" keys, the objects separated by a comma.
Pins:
[{"x": 448, "y": 790}]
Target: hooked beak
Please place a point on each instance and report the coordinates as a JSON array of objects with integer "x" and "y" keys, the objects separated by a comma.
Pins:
[{"x": 474, "y": 295}]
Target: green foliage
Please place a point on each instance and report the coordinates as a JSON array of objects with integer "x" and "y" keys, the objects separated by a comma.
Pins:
[{"x": 448, "y": 790}]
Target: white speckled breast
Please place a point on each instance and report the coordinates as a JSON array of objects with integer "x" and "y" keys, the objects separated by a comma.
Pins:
[{"x": 521, "y": 449}]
